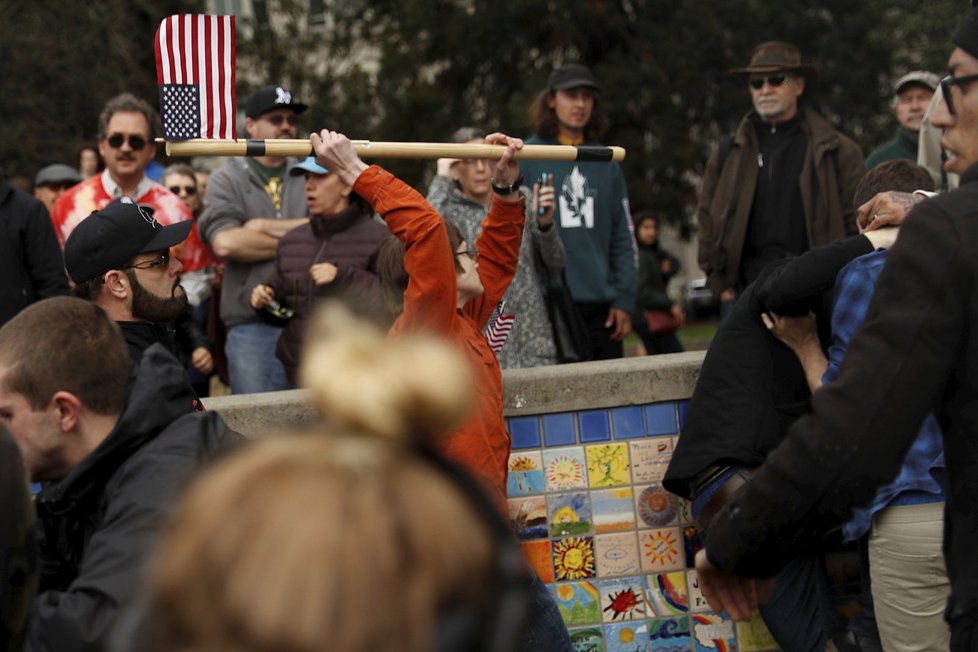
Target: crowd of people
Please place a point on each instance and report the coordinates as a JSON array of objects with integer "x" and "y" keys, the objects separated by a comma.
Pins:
[{"x": 839, "y": 376}]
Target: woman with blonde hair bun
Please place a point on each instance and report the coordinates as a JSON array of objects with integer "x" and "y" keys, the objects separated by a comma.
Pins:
[{"x": 351, "y": 536}]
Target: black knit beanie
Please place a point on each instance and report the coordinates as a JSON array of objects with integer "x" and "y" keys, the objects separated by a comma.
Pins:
[{"x": 966, "y": 37}]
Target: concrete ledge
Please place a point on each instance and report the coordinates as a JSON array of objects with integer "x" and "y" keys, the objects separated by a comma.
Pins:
[
  {"x": 593, "y": 385},
  {"x": 541, "y": 390}
]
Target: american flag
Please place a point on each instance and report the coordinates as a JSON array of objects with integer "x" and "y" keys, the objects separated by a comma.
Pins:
[
  {"x": 498, "y": 327},
  {"x": 195, "y": 72}
]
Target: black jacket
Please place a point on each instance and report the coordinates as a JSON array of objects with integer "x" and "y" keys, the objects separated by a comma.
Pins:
[
  {"x": 751, "y": 387},
  {"x": 18, "y": 552},
  {"x": 917, "y": 351},
  {"x": 180, "y": 337},
  {"x": 652, "y": 282},
  {"x": 98, "y": 524},
  {"x": 31, "y": 267}
]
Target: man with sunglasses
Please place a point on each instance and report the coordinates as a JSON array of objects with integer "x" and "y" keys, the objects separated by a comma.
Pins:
[
  {"x": 251, "y": 203},
  {"x": 782, "y": 184},
  {"x": 119, "y": 258},
  {"x": 127, "y": 129},
  {"x": 917, "y": 351}
]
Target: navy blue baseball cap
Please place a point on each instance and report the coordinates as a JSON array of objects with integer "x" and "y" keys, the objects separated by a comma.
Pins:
[{"x": 269, "y": 98}]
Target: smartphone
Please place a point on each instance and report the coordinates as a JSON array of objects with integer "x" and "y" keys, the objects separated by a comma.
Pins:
[{"x": 545, "y": 178}]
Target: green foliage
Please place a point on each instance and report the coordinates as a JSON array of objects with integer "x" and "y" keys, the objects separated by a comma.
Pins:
[
  {"x": 416, "y": 70},
  {"x": 61, "y": 61},
  {"x": 663, "y": 66}
]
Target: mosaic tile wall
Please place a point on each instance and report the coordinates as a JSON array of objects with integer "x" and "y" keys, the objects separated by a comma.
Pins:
[{"x": 616, "y": 549}]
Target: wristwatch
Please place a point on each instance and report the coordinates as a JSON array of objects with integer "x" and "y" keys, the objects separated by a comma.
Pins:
[{"x": 507, "y": 190}]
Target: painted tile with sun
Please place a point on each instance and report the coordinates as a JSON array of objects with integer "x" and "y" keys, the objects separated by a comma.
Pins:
[
  {"x": 626, "y": 637},
  {"x": 569, "y": 515},
  {"x": 661, "y": 550},
  {"x": 565, "y": 468},
  {"x": 525, "y": 474},
  {"x": 573, "y": 558},
  {"x": 578, "y": 603}
]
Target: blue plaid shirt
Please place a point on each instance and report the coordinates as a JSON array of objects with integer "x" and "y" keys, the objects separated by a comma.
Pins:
[{"x": 921, "y": 478}]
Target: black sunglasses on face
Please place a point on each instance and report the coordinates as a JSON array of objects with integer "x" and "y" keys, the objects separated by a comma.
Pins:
[
  {"x": 948, "y": 82},
  {"x": 278, "y": 119},
  {"x": 136, "y": 143},
  {"x": 190, "y": 190},
  {"x": 779, "y": 79}
]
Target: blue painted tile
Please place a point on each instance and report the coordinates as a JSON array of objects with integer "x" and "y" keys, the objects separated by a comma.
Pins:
[
  {"x": 594, "y": 426},
  {"x": 558, "y": 429},
  {"x": 525, "y": 432},
  {"x": 627, "y": 422},
  {"x": 660, "y": 419},
  {"x": 682, "y": 407}
]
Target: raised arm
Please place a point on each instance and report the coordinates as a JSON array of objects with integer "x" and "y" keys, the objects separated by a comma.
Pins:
[
  {"x": 502, "y": 232},
  {"x": 431, "y": 295}
]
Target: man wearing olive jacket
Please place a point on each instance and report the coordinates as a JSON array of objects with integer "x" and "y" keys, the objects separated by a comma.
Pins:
[{"x": 781, "y": 185}]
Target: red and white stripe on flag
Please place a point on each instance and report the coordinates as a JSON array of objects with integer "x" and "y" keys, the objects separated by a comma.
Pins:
[
  {"x": 498, "y": 327},
  {"x": 195, "y": 72}
]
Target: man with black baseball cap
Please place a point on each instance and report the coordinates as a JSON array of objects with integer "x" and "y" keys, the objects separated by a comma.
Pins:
[
  {"x": 592, "y": 214},
  {"x": 251, "y": 203},
  {"x": 119, "y": 258}
]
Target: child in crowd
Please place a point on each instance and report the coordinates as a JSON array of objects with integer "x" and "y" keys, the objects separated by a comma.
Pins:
[{"x": 657, "y": 316}]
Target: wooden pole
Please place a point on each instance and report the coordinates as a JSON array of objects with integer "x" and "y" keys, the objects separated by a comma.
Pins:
[{"x": 370, "y": 149}]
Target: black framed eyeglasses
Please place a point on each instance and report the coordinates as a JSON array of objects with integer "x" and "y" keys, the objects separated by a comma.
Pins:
[
  {"x": 176, "y": 190},
  {"x": 136, "y": 143},
  {"x": 780, "y": 79},
  {"x": 471, "y": 252},
  {"x": 948, "y": 82},
  {"x": 162, "y": 261}
]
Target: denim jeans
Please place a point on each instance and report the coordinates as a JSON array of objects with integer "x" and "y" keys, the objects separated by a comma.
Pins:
[
  {"x": 799, "y": 613},
  {"x": 252, "y": 363},
  {"x": 545, "y": 630}
]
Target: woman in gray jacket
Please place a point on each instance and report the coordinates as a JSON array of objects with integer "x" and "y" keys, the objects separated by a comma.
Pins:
[{"x": 462, "y": 193}]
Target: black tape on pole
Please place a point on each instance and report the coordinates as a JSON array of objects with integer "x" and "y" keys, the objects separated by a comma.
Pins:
[
  {"x": 254, "y": 147},
  {"x": 594, "y": 153}
]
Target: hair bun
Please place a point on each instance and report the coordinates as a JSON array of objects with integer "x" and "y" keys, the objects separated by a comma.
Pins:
[{"x": 410, "y": 387}]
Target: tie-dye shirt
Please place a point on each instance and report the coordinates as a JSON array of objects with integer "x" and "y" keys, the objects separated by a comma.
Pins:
[{"x": 96, "y": 192}]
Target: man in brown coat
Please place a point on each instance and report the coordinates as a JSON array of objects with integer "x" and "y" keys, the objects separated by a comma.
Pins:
[{"x": 781, "y": 185}]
